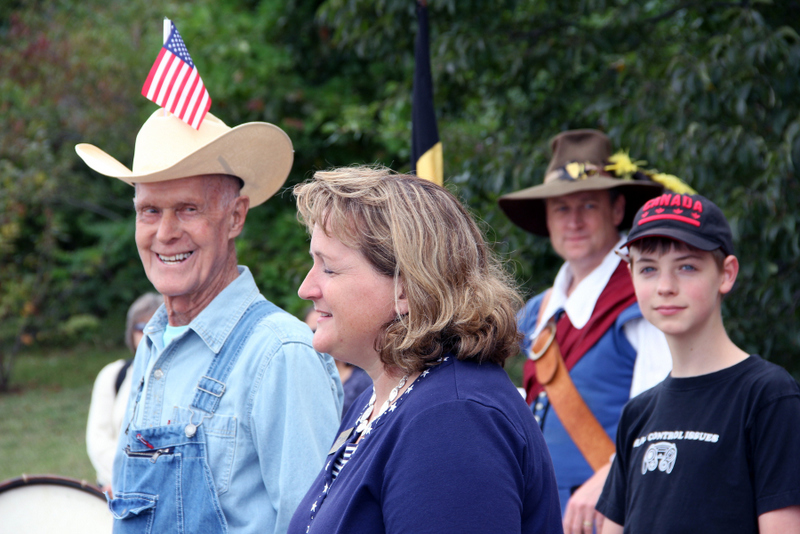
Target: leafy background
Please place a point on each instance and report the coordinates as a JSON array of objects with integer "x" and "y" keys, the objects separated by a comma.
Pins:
[{"x": 707, "y": 91}]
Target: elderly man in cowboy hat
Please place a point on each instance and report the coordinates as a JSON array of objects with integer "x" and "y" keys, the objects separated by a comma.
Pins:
[
  {"x": 231, "y": 411},
  {"x": 591, "y": 346}
]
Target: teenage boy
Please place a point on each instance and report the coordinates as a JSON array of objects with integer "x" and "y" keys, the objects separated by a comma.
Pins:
[{"x": 713, "y": 448}]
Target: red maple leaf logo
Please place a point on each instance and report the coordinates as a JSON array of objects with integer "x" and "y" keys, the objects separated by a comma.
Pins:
[
  {"x": 696, "y": 215},
  {"x": 659, "y": 210},
  {"x": 677, "y": 210}
]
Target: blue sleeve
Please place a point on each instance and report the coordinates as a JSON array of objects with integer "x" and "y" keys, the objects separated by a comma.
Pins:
[
  {"x": 526, "y": 320},
  {"x": 458, "y": 466},
  {"x": 294, "y": 419}
]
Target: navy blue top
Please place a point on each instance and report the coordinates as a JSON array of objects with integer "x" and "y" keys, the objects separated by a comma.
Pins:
[{"x": 458, "y": 452}]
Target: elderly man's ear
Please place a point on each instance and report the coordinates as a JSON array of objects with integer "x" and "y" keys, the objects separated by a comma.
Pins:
[{"x": 241, "y": 206}]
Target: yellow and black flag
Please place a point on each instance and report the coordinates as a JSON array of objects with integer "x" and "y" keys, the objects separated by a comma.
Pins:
[{"x": 426, "y": 149}]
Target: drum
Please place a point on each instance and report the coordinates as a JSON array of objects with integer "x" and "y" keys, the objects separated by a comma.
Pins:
[{"x": 38, "y": 504}]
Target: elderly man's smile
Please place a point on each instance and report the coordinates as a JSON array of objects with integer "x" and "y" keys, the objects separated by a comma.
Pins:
[{"x": 177, "y": 258}]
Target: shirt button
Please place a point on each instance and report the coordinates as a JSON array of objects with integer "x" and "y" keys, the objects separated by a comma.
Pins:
[
  {"x": 538, "y": 419},
  {"x": 539, "y": 406},
  {"x": 542, "y": 394},
  {"x": 158, "y": 374}
]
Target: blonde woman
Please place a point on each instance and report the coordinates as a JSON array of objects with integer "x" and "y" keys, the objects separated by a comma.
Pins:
[{"x": 408, "y": 290}]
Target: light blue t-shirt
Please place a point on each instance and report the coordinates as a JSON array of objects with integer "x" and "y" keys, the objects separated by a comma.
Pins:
[
  {"x": 171, "y": 332},
  {"x": 275, "y": 422}
]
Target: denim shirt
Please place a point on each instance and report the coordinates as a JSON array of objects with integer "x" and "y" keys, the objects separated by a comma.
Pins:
[{"x": 276, "y": 420}]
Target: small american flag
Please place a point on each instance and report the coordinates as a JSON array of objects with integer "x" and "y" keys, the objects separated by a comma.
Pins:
[{"x": 175, "y": 85}]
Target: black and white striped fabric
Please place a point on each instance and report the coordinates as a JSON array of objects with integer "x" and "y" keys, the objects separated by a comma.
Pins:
[{"x": 339, "y": 463}]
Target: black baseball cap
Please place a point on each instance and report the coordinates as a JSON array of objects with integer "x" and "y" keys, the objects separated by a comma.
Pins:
[{"x": 691, "y": 219}]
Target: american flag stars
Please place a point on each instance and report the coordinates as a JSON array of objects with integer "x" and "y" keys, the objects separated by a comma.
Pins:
[{"x": 176, "y": 45}]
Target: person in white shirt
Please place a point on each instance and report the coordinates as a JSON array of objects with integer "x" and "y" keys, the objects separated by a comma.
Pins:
[
  {"x": 111, "y": 390},
  {"x": 610, "y": 351}
]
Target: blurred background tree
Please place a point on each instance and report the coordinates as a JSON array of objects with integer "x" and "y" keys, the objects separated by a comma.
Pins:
[{"x": 704, "y": 90}]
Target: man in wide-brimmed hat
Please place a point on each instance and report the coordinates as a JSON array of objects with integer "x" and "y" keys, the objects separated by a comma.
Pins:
[
  {"x": 603, "y": 351},
  {"x": 231, "y": 412}
]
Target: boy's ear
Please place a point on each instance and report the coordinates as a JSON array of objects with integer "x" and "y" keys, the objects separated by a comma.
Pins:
[
  {"x": 627, "y": 258},
  {"x": 730, "y": 269}
]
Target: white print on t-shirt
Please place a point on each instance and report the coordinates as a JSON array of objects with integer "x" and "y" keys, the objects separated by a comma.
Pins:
[
  {"x": 675, "y": 435},
  {"x": 661, "y": 455}
]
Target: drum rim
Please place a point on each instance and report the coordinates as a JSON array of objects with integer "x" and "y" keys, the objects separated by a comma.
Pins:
[{"x": 32, "y": 480}]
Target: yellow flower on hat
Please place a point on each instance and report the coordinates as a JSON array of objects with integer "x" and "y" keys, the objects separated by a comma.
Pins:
[
  {"x": 576, "y": 170},
  {"x": 622, "y": 165},
  {"x": 673, "y": 183}
]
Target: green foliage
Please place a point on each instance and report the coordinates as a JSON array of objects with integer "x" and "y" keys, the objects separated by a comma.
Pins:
[
  {"x": 57, "y": 88},
  {"x": 705, "y": 91}
]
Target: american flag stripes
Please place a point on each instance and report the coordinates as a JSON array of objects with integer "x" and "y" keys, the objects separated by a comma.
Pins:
[{"x": 175, "y": 85}]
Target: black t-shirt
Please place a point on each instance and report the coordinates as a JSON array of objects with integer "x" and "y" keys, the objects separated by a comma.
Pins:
[{"x": 708, "y": 453}]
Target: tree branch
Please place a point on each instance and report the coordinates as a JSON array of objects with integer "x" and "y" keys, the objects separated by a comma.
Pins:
[{"x": 667, "y": 14}]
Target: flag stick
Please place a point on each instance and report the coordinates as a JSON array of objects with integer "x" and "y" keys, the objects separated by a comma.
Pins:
[{"x": 167, "y": 27}]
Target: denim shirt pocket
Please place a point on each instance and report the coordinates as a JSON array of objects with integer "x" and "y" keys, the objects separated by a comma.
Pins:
[{"x": 220, "y": 432}]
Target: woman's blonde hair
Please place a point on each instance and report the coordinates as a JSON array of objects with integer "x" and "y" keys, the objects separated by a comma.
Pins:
[{"x": 460, "y": 300}]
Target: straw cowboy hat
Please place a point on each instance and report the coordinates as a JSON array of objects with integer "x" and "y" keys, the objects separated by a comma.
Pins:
[
  {"x": 580, "y": 162},
  {"x": 258, "y": 153}
]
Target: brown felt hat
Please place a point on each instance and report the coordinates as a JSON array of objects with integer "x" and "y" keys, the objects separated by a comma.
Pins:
[{"x": 578, "y": 164}]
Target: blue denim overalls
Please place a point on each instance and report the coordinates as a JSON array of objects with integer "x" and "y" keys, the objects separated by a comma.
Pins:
[{"x": 167, "y": 483}]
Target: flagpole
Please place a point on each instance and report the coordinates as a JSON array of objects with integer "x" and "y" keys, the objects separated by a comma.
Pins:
[
  {"x": 426, "y": 147},
  {"x": 166, "y": 30}
]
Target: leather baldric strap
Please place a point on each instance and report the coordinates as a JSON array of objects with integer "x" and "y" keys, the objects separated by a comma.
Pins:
[{"x": 578, "y": 420}]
